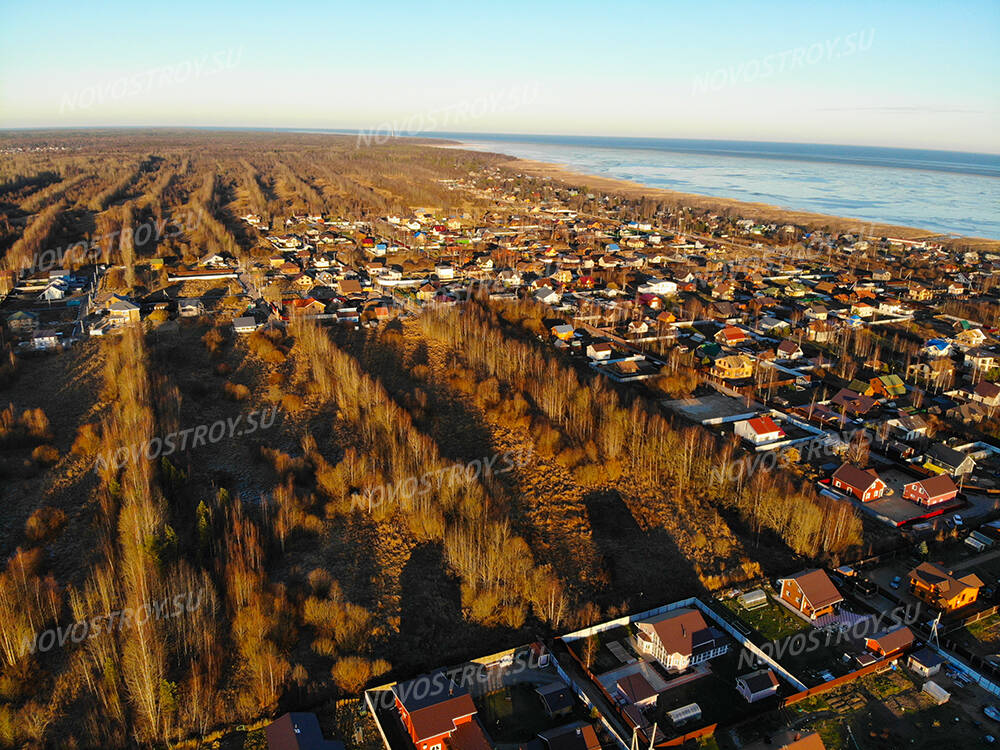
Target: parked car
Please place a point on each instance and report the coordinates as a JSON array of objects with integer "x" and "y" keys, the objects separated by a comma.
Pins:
[
  {"x": 896, "y": 582},
  {"x": 958, "y": 520},
  {"x": 992, "y": 712}
]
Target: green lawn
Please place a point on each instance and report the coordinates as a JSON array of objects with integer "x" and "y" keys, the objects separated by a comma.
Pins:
[{"x": 772, "y": 621}]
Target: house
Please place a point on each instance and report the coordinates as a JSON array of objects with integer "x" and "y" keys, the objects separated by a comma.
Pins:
[
  {"x": 547, "y": 296},
  {"x": 940, "y": 458},
  {"x": 937, "y": 348},
  {"x": 852, "y": 402},
  {"x": 796, "y": 740},
  {"x": 599, "y": 351},
  {"x": 122, "y": 312},
  {"x": 189, "y": 307},
  {"x": 657, "y": 286},
  {"x": 864, "y": 485},
  {"x": 759, "y": 430},
  {"x": 579, "y": 735},
  {"x": 936, "y": 489},
  {"x": 563, "y": 331},
  {"x": 557, "y": 700},
  {"x": 811, "y": 593},
  {"x": 986, "y": 393},
  {"x": 788, "y": 349},
  {"x": 890, "y": 642},
  {"x": 909, "y": 426},
  {"x": 44, "y": 339},
  {"x": 970, "y": 338},
  {"x": 936, "y": 586},
  {"x": 298, "y": 731},
  {"x": 733, "y": 367},
  {"x": 22, "y": 322},
  {"x": 436, "y": 713},
  {"x": 886, "y": 386},
  {"x": 634, "y": 688},
  {"x": 981, "y": 359},
  {"x": 820, "y": 331},
  {"x": 348, "y": 287},
  {"x": 758, "y": 685},
  {"x": 730, "y": 336},
  {"x": 246, "y": 324},
  {"x": 924, "y": 662},
  {"x": 679, "y": 638}
]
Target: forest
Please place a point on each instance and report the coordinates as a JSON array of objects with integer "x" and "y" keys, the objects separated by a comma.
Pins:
[{"x": 154, "y": 602}]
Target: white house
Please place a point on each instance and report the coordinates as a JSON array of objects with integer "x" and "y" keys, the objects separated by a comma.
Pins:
[
  {"x": 599, "y": 351},
  {"x": 757, "y": 685},
  {"x": 759, "y": 430},
  {"x": 679, "y": 638},
  {"x": 657, "y": 286},
  {"x": 247, "y": 324}
]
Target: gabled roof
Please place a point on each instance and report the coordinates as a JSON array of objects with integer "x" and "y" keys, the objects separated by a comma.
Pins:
[
  {"x": 938, "y": 485},
  {"x": 433, "y": 711},
  {"x": 943, "y": 582},
  {"x": 893, "y": 640},
  {"x": 762, "y": 679},
  {"x": 763, "y": 425},
  {"x": 856, "y": 478},
  {"x": 681, "y": 631},
  {"x": 817, "y": 588}
]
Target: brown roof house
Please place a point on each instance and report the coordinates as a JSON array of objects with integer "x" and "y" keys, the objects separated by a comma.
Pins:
[
  {"x": 810, "y": 593},
  {"x": 891, "y": 642},
  {"x": 298, "y": 731},
  {"x": 438, "y": 714},
  {"x": 865, "y": 485},
  {"x": 939, "y": 588},
  {"x": 679, "y": 639}
]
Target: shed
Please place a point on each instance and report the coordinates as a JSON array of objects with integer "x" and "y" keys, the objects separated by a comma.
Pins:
[{"x": 924, "y": 662}]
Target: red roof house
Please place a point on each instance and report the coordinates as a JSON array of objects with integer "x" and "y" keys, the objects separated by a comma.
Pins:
[{"x": 811, "y": 593}]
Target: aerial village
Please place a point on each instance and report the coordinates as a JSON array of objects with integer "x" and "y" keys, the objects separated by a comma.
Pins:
[{"x": 857, "y": 362}]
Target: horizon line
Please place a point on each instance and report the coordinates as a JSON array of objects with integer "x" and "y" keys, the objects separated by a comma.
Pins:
[{"x": 444, "y": 134}]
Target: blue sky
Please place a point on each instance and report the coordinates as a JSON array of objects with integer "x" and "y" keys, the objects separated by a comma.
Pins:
[{"x": 917, "y": 74}]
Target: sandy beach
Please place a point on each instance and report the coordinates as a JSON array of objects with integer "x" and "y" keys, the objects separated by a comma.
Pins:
[{"x": 761, "y": 211}]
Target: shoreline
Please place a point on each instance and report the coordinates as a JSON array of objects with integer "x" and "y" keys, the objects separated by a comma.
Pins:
[{"x": 747, "y": 209}]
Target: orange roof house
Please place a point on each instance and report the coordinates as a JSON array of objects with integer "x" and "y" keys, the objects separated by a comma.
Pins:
[
  {"x": 939, "y": 588},
  {"x": 811, "y": 593}
]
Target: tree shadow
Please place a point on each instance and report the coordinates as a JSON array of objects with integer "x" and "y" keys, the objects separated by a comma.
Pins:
[{"x": 644, "y": 568}]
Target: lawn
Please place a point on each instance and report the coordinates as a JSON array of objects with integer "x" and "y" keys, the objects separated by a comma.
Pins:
[{"x": 772, "y": 620}]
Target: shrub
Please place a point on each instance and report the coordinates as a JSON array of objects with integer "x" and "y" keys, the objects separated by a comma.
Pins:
[
  {"x": 44, "y": 524},
  {"x": 237, "y": 391},
  {"x": 46, "y": 455}
]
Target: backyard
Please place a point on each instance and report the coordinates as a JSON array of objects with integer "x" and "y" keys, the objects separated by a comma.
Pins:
[
  {"x": 771, "y": 620},
  {"x": 515, "y": 714}
]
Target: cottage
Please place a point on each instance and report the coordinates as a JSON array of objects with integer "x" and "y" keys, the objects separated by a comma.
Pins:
[
  {"x": 22, "y": 322},
  {"x": 437, "y": 713},
  {"x": 941, "y": 459},
  {"x": 634, "y": 688},
  {"x": 122, "y": 312},
  {"x": 811, "y": 593},
  {"x": 600, "y": 350},
  {"x": 986, "y": 393},
  {"x": 852, "y": 402},
  {"x": 788, "y": 349},
  {"x": 679, "y": 638},
  {"x": 932, "y": 491},
  {"x": 730, "y": 336},
  {"x": 891, "y": 642},
  {"x": 298, "y": 731},
  {"x": 733, "y": 367},
  {"x": 758, "y": 685},
  {"x": 246, "y": 324},
  {"x": 924, "y": 662},
  {"x": 864, "y": 485},
  {"x": 44, "y": 339},
  {"x": 939, "y": 588},
  {"x": 759, "y": 430},
  {"x": 190, "y": 307},
  {"x": 886, "y": 386}
]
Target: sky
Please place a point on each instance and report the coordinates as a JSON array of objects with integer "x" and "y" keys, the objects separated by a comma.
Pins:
[{"x": 911, "y": 74}]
